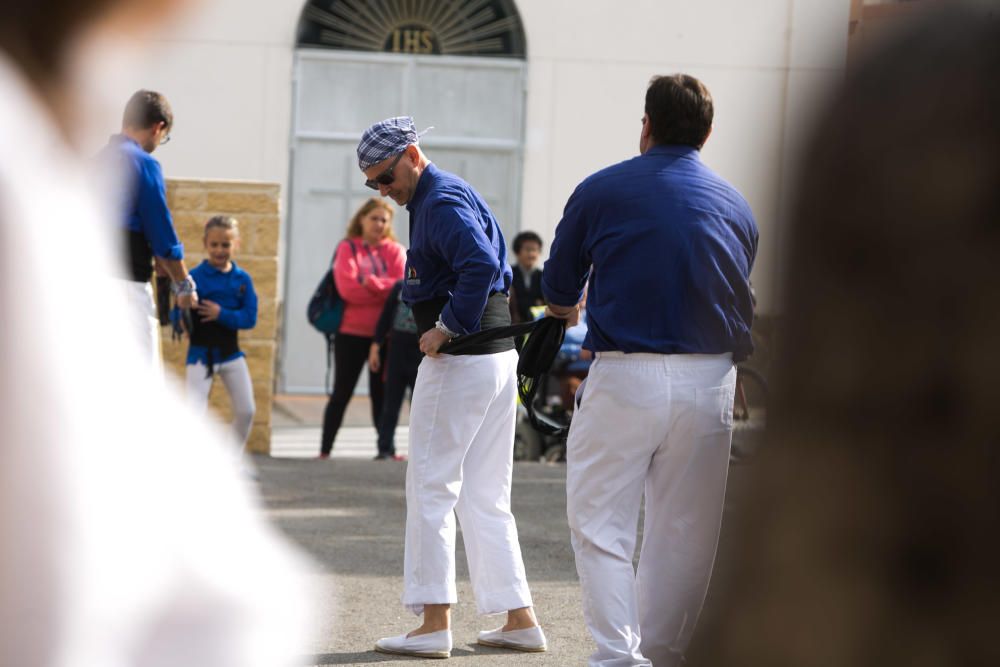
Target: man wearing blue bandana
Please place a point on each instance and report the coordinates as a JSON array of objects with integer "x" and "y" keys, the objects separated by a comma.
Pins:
[
  {"x": 463, "y": 409},
  {"x": 667, "y": 246}
]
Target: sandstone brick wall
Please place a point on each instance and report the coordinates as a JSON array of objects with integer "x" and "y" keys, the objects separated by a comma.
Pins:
[{"x": 256, "y": 206}]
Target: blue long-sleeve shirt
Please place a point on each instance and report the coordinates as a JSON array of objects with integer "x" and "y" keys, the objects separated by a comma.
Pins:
[
  {"x": 456, "y": 249},
  {"x": 144, "y": 196},
  {"x": 668, "y": 245},
  {"x": 233, "y": 291}
]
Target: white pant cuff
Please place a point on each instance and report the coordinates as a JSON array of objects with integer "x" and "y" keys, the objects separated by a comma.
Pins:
[
  {"x": 415, "y": 597},
  {"x": 498, "y": 602}
]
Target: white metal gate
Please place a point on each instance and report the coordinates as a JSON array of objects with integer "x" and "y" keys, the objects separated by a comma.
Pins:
[{"x": 476, "y": 106}]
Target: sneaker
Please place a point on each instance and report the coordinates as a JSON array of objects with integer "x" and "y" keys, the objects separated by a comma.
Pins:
[
  {"x": 398, "y": 457},
  {"x": 430, "y": 645},
  {"x": 531, "y": 640},
  {"x": 322, "y": 457},
  {"x": 382, "y": 457}
]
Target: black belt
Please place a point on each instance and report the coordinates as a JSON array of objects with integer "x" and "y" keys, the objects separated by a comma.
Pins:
[
  {"x": 495, "y": 316},
  {"x": 545, "y": 337}
]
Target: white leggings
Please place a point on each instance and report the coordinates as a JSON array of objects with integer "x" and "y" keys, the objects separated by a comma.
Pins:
[{"x": 236, "y": 376}]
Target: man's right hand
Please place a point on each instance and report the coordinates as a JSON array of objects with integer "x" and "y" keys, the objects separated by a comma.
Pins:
[{"x": 569, "y": 313}]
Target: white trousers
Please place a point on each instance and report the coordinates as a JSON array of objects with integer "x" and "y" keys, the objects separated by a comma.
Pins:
[
  {"x": 144, "y": 321},
  {"x": 461, "y": 459},
  {"x": 236, "y": 377},
  {"x": 659, "y": 425}
]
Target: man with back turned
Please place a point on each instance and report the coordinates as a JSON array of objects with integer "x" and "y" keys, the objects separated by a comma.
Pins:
[{"x": 668, "y": 246}]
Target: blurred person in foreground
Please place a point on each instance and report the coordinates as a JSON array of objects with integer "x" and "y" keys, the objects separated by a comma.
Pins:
[
  {"x": 668, "y": 246},
  {"x": 868, "y": 534},
  {"x": 122, "y": 545}
]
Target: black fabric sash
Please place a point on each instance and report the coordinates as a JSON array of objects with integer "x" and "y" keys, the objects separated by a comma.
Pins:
[
  {"x": 545, "y": 337},
  {"x": 139, "y": 262},
  {"x": 496, "y": 316},
  {"x": 219, "y": 340}
]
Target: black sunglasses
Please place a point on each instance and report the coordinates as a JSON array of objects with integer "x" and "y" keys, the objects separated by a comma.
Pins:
[{"x": 386, "y": 177}]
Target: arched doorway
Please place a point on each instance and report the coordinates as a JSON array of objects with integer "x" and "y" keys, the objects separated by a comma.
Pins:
[{"x": 457, "y": 65}]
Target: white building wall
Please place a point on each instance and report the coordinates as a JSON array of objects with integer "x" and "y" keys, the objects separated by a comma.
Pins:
[
  {"x": 228, "y": 74},
  {"x": 766, "y": 63}
]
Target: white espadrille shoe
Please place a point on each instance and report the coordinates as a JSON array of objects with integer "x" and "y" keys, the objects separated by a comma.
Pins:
[
  {"x": 431, "y": 645},
  {"x": 531, "y": 640}
]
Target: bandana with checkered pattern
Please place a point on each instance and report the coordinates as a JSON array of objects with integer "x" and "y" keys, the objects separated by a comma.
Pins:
[{"x": 386, "y": 139}]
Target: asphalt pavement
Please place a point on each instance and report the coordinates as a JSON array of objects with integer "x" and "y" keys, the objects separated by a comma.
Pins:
[{"x": 348, "y": 513}]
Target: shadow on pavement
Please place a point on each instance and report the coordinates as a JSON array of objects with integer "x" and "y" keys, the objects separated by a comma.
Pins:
[
  {"x": 368, "y": 657},
  {"x": 350, "y": 515}
]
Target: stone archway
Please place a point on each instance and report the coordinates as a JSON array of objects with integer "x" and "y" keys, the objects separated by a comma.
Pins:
[{"x": 418, "y": 27}]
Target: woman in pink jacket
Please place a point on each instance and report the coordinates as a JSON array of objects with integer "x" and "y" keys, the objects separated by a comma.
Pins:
[{"x": 366, "y": 266}]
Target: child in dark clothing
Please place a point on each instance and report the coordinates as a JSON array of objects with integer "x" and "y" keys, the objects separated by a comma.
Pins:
[
  {"x": 397, "y": 325},
  {"x": 526, "y": 284}
]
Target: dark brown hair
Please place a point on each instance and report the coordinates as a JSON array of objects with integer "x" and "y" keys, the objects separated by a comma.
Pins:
[
  {"x": 526, "y": 237},
  {"x": 680, "y": 110}
]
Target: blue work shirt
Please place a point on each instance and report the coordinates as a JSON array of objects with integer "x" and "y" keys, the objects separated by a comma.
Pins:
[
  {"x": 669, "y": 246},
  {"x": 143, "y": 200},
  {"x": 456, "y": 250},
  {"x": 233, "y": 291}
]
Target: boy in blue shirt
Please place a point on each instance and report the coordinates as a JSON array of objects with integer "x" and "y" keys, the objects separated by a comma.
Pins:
[{"x": 228, "y": 303}]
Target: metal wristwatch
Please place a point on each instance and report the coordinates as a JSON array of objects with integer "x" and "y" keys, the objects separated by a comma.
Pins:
[
  {"x": 183, "y": 287},
  {"x": 440, "y": 326}
]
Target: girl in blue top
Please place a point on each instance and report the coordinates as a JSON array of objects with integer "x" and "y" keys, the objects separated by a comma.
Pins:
[{"x": 227, "y": 303}]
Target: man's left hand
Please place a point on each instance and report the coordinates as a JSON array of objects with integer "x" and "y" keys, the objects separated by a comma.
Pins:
[{"x": 431, "y": 342}]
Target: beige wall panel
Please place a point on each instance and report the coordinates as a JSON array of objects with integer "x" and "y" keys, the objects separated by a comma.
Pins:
[{"x": 257, "y": 208}]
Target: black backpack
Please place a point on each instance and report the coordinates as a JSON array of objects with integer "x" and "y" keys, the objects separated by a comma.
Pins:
[{"x": 326, "y": 307}]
